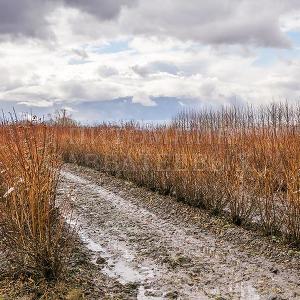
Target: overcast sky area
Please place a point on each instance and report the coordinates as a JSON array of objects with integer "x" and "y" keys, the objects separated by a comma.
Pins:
[{"x": 141, "y": 59}]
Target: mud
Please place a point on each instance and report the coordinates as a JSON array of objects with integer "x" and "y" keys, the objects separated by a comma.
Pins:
[{"x": 167, "y": 250}]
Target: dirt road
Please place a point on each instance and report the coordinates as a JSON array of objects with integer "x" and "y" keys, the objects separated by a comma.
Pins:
[{"x": 168, "y": 250}]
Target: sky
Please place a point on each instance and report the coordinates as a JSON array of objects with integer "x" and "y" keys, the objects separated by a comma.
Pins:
[{"x": 108, "y": 60}]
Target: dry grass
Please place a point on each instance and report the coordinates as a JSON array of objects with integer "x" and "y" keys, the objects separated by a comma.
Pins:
[
  {"x": 243, "y": 162},
  {"x": 32, "y": 233}
]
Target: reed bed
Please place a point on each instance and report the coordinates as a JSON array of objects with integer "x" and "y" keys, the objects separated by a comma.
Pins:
[
  {"x": 32, "y": 234},
  {"x": 240, "y": 162}
]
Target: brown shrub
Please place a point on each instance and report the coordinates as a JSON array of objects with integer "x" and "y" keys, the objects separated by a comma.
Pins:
[{"x": 31, "y": 227}]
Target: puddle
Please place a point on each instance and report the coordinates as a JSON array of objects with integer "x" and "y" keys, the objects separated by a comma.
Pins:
[
  {"x": 249, "y": 292},
  {"x": 119, "y": 268}
]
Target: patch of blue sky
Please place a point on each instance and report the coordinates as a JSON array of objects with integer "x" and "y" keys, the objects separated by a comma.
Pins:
[
  {"x": 268, "y": 56},
  {"x": 112, "y": 47},
  {"x": 294, "y": 36},
  {"x": 75, "y": 61},
  {"x": 192, "y": 47}
]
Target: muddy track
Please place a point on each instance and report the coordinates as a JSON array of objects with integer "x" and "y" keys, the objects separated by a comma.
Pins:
[{"x": 168, "y": 250}]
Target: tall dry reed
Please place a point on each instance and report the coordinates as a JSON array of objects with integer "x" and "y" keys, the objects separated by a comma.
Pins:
[{"x": 31, "y": 228}]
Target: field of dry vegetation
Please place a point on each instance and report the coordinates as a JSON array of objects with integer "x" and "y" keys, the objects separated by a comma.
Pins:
[{"x": 243, "y": 163}]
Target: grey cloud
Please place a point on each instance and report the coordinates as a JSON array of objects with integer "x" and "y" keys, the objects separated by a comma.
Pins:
[
  {"x": 8, "y": 82},
  {"x": 29, "y": 17},
  {"x": 104, "y": 9},
  {"x": 155, "y": 67},
  {"x": 75, "y": 90},
  {"x": 24, "y": 18},
  {"x": 214, "y": 22},
  {"x": 107, "y": 71},
  {"x": 81, "y": 53}
]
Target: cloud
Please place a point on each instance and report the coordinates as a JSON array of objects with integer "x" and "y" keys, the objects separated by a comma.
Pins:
[
  {"x": 154, "y": 68},
  {"x": 35, "y": 75},
  {"x": 91, "y": 90},
  {"x": 103, "y": 10},
  {"x": 29, "y": 18},
  {"x": 40, "y": 103},
  {"x": 81, "y": 53},
  {"x": 142, "y": 98},
  {"x": 24, "y": 18},
  {"x": 107, "y": 71},
  {"x": 212, "y": 22},
  {"x": 7, "y": 81}
]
